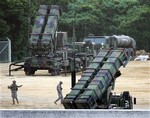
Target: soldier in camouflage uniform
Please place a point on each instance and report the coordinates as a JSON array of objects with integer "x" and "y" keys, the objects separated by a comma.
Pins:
[
  {"x": 59, "y": 91},
  {"x": 14, "y": 88}
]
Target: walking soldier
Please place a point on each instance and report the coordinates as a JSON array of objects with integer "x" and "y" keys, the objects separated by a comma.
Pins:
[
  {"x": 59, "y": 91},
  {"x": 14, "y": 88}
]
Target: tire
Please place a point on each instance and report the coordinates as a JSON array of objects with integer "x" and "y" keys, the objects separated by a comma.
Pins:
[
  {"x": 53, "y": 73},
  {"x": 58, "y": 72},
  {"x": 131, "y": 104},
  {"x": 127, "y": 97},
  {"x": 29, "y": 71},
  {"x": 32, "y": 71}
]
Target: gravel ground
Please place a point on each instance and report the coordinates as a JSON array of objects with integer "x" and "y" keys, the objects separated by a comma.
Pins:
[{"x": 39, "y": 91}]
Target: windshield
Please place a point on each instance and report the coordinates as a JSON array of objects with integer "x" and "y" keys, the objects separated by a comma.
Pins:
[{"x": 96, "y": 40}]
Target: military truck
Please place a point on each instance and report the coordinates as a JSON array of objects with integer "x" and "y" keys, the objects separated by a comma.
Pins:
[
  {"x": 91, "y": 45},
  {"x": 115, "y": 41},
  {"x": 85, "y": 52},
  {"x": 94, "y": 89},
  {"x": 48, "y": 49},
  {"x": 43, "y": 42},
  {"x": 47, "y": 46}
]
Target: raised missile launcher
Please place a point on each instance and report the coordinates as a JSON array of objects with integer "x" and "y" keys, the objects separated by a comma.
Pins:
[
  {"x": 93, "y": 90},
  {"x": 38, "y": 26},
  {"x": 47, "y": 46},
  {"x": 43, "y": 36}
]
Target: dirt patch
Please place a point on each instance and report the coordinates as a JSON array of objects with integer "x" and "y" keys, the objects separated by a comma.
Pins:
[{"x": 39, "y": 91}]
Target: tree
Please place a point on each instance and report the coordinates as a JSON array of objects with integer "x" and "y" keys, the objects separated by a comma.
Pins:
[
  {"x": 129, "y": 17},
  {"x": 98, "y": 17},
  {"x": 4, "y": 28},
  {"x": 136, "y": 23},
  {"x": 14, "y": 19},
  {"x": 84, "y": 15}
]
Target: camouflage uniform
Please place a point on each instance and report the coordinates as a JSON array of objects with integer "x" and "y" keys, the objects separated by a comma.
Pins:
[
  {"x": 14, "y": 88},
  {"x": 59, "y": 91}
]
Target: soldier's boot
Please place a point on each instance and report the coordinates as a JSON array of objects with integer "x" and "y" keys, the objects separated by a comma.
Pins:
[
  {"x": 55, "y": 102},
  {"x": 13, "y": 102},
  {"x": 17, "y": 101},
  {"x": 61, "y": 100}
]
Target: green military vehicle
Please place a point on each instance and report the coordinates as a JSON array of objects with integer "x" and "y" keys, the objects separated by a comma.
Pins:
[
  {"x": 93, "y": 89},
  {"x": 48, "y": 50},
  {"x": 115, "y": 41},
  {"x": 43, "y": 43},
  {"x": 91, "y": 45},
  {"x": 47, "y": 46}
]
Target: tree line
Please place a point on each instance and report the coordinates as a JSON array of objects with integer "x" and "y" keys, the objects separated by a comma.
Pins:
[{"x": 98, "y": 17}]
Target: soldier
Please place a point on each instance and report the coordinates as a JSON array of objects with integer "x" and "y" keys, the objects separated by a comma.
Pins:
[
  {"x": 59, "y": 91},
  {"x": 14, "y": 88}
]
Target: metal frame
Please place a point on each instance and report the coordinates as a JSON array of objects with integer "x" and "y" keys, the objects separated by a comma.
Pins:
[{"x": 8, "y": 45}]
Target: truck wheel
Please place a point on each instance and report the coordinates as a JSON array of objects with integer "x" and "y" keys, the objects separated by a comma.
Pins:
[
  {"x": 126, "y": 96},
  {"x": 29, "y": 71},
  {"x": 32, "y": 72},
  {"x": 53, "y": 73},
  {"x": 130, "y": 103},
  {"x": 58, "y": 72}
]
